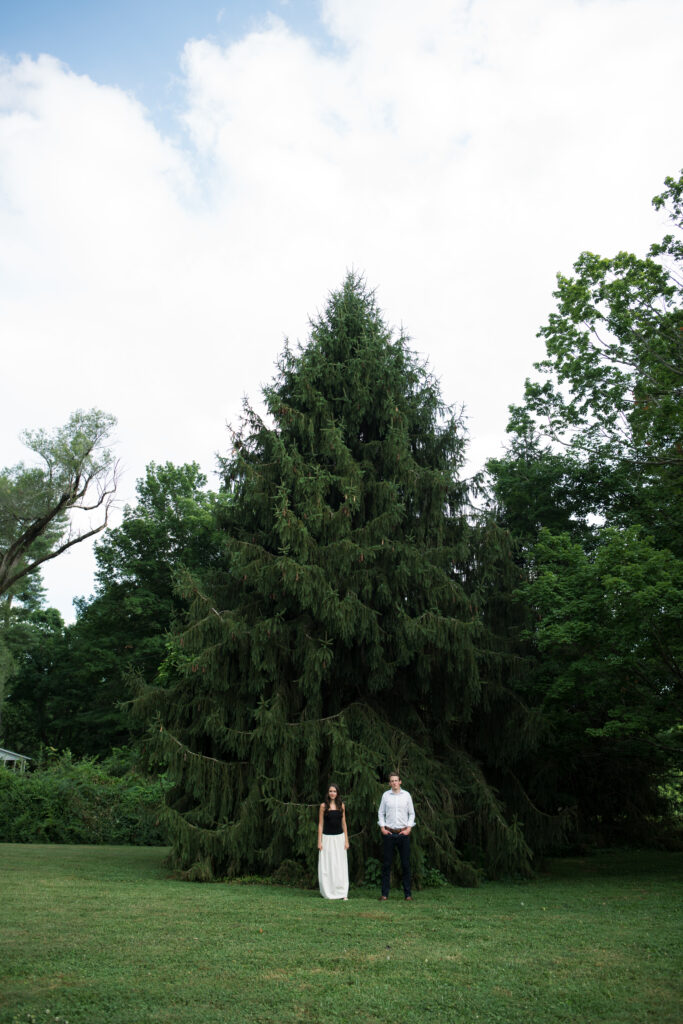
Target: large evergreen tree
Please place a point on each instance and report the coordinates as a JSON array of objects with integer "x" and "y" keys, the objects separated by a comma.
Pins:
[{"x": 343, "y": 634}]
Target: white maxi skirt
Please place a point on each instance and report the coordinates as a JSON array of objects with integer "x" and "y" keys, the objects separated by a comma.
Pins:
[{"x": 333, "y": 868}]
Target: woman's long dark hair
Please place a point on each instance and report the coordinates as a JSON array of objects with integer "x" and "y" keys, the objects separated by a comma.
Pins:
[{"x": 338, "y": 800}]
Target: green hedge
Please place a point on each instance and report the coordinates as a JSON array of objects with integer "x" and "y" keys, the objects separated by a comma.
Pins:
[{"x": 79, "y": 802}]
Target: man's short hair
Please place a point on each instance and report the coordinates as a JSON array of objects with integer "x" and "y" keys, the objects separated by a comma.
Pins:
[{"x": 391, "y": 775}]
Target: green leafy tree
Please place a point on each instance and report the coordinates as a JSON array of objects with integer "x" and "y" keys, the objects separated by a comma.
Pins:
[
  {"x": 610, "y": 391},
  {"x": 77, "y": 474},
  {"x": 591, "y": 489},
  {"x": 7, "y": 670},
  {"x": 343, "y": 634},
  {"x": 123, "y": 628},
  {"x": 21, "y": 608},
  {"x": 609, "y": 638},
  {"x": 535, "y": 487},
  {"x": 35, "y": 639}
]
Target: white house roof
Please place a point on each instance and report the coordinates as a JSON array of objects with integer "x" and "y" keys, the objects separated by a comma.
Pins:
[{"x": 9, "y": 755}]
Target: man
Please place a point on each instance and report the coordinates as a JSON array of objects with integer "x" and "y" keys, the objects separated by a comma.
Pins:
[{"x": 396, "y": 819}]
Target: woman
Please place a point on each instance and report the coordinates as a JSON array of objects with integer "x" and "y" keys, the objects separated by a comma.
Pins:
[{"x": 333, "y": 842}]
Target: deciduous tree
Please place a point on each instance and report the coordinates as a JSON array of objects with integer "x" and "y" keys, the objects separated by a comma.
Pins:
[
  {"x": 591, "y": 489},
  {"x": 77, "y": 474},
  {"x": 123, "y": 627}
]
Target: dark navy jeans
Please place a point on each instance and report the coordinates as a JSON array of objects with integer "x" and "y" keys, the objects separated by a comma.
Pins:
[{"x": 390, "y": 844}]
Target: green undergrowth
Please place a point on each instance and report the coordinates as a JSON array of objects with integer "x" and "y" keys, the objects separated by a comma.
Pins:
[
  {"x": 101, "y": 935},
  {"x": 70, "y": 801}
]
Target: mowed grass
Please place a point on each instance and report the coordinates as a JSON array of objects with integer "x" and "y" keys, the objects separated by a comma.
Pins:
[{"x": 101, "y": 935}]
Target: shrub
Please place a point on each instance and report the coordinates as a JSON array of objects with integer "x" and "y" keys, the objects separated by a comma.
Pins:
[
  {"x": 373, "y": 872},
  {"x": 290, "y": 872},
  {"x": 69, "y": 801},
  {"x": 432, "y": 879}
]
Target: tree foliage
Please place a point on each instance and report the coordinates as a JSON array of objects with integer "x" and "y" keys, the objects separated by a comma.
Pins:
[
  {"x": 610, "y": 391},
  {"x": 77, "y": 473},
  {"x": 343, "y": 633},
  {"x": 591, "y": 488},
  {"x": 34, "y": 639},
  {"x": 608, "y": 639},
  {"x": 67, "y": 801},
  {"x": 75, "y": 700}
]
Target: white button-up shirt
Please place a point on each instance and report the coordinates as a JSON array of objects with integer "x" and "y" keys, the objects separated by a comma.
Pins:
[{"x": 396, "y": 810}]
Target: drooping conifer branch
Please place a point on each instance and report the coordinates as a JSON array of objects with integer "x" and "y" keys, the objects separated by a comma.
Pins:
[{"x": 187, "y": 752}]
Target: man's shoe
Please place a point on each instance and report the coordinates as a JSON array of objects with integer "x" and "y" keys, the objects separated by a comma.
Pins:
[
  {"x": 409, "y": 899},
  {"x": 383, "y": 899}
]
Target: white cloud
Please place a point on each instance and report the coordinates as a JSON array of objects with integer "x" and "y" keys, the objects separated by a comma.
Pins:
[{"x": 459, "y": 153}]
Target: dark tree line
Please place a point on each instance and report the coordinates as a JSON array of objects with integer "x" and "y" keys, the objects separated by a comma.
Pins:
[{"x": 344, "y": 605}]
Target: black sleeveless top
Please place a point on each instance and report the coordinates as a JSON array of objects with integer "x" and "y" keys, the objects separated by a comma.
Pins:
[{"x": 332, "y": 823}]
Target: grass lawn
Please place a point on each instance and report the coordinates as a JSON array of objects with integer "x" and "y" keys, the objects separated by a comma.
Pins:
[{"x": 101, "y": 935}]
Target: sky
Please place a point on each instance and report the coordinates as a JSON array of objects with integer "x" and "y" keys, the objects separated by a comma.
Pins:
[{"x": 183, "y": 184}]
